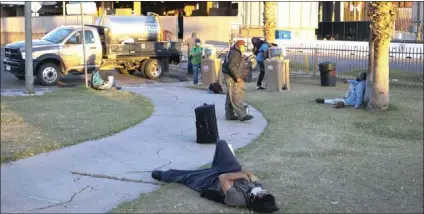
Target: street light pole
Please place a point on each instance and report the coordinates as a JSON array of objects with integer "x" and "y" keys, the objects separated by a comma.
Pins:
[
  {"x": 29, "y": 73},
  {"x": 83, "y": 47}
]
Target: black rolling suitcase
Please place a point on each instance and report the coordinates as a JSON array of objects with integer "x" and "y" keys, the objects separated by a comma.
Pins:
[{"x": 206, "y": 126}]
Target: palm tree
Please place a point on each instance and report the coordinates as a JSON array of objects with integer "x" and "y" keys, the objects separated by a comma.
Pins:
[
  {"x": 382, "y": 15},
  {"x": 270, "y": 20}
]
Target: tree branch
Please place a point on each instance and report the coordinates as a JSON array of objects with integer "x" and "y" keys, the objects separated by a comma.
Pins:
[{"x": 116, "y": 178}]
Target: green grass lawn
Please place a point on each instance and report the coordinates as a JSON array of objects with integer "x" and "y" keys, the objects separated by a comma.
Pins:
[
  {"x": 318, "y": 159},
  {"x": 36, "y": 124}
]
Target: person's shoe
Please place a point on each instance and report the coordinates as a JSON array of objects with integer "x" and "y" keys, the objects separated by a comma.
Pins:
[
  {"x": 319, "y": 100},
  {"x": 156, "y": 174},
  {"x": 260, "y": 88},
  {"x": 118, "y": 87},
  {"x": 248, "y": 117},
  {"x": 339, "y": 105},
  {"x": 232, "y": 117}
]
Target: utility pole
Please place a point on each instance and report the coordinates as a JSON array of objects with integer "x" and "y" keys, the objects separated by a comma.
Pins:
[
  {"x": 83, "y": 47},
  {"x": 29, "y": 72}
]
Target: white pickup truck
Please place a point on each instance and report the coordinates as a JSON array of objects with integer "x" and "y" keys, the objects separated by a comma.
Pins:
[{"x": 60, "y": 52}]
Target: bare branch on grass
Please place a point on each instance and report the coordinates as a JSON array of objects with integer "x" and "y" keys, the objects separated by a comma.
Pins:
[{"x": 116, "y": 178}]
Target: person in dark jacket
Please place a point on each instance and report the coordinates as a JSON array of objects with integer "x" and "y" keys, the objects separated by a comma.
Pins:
[
  {"x": 225, "y": 182},
  {"x": 234, "y": 106},
  {"x": 259, "y": 47}
]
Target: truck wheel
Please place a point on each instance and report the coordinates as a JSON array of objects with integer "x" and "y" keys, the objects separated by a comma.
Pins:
[
  {"x": 48, "y": 74},
  {"x": 20, "y": 77},
  {"x": 142, "y": 66},
  {"x": 153, "y": 69}
]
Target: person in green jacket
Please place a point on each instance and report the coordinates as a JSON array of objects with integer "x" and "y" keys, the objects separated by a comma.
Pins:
[
  {"x": 99, "y": 84},
  {"x": 196, "y": 58}
]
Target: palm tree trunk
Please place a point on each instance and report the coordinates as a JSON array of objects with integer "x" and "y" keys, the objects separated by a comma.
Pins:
[
  {"x": 382, "y": 16},
  {"x": 270, "y": 20}
]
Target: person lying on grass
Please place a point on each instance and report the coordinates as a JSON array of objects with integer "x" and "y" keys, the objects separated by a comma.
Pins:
[
  {"x": 354, "y": 96},
  {"x": 225, "y": 182}
]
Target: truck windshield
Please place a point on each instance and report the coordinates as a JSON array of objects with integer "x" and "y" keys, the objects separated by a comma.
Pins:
[{"x": 57, "y": 35}]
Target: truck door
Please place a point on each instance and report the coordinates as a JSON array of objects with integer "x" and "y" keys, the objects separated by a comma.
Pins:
[
  {"x": 71, "y": 52},
  {"x": 93, "y": 49}
]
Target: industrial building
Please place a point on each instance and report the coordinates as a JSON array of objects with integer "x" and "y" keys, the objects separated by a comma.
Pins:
[{"x": 350, "y": 21}]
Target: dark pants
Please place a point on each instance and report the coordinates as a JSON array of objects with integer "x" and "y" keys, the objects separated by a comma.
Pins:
[
  {"x": 190, "y": 66},
  {"x": 261, "y": 74},
  {"x": 223, "y": 162}
]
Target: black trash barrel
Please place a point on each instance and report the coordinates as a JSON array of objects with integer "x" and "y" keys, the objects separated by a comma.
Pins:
[{"x": 327, "y": 72}]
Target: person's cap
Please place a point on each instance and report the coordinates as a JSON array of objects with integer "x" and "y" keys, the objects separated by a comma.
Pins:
[
  {"x": 197, "y": 40},
  {"x": 240, "y": 43}
]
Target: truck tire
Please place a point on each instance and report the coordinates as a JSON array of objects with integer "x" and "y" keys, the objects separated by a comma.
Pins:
[
  {"x": 153, "y": 69},
  {"x": 48, "y": 74},
  {"x": 142, "y": 66},
  {"x": 20, "y": 77}
]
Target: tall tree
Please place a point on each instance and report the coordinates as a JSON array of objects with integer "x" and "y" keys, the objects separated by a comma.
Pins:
[
  {"x": 382, "y": 15},
  {"x": 270, "y": 20}
]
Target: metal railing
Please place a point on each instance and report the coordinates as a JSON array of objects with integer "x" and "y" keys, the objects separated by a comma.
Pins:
[{"x": 406, "y": 64}]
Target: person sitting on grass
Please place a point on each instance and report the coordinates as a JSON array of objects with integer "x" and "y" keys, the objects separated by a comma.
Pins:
[
  {"x": 98, "y": 83},
  {"x": 224, "y": 182},
  {"x": 354, "y": 96}
]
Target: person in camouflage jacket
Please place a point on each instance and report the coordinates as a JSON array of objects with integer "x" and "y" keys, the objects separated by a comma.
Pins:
[{"x": 234, "y": 105}]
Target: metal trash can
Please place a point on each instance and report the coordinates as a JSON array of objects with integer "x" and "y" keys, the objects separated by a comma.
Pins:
[
  {"x": 328, "y": 73},
  {"x": 211, "y": 67},
  {"x": 286, "y": 75},
  {"x": 211, "y": 71},
  {"x": 277, "y": 76}
]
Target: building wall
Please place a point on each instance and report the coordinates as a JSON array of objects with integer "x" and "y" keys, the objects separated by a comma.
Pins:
[
  {"x": 347, "y": 20},
  {"x": 210, "y": 29},
  {"x": 301, "y": 18}
]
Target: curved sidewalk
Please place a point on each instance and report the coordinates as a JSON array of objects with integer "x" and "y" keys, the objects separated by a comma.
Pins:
[{"x": 165, "y": 139}]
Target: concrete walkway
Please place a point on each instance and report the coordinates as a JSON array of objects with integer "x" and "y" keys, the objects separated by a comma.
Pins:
[{"x": 167, "y": 139}]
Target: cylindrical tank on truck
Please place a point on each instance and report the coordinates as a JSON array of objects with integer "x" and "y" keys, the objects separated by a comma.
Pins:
[{"x": 139, "y": 28}]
